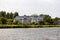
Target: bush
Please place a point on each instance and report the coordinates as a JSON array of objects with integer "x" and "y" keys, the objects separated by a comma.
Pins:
[
  {"x": 3, "y": 20},
  {"x": 9, "y": 21}
]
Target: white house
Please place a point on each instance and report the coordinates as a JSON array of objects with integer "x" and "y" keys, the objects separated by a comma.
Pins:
[{"x": 28, "y": 19}]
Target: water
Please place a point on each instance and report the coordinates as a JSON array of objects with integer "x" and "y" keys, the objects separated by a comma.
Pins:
[{"x": 30, "y": 34}]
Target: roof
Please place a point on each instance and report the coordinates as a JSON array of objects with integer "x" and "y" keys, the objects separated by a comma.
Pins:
[{"x": 21, "y": 17}]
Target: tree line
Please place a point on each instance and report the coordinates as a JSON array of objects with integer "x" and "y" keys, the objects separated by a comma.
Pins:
[
  {"x": 7, "y": 18},
  {"x": 48, "y": 20},
  {"x": 8, "y": 15}
]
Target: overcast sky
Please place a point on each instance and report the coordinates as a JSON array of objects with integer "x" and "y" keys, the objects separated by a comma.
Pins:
[{"x": 28, "y": 7}]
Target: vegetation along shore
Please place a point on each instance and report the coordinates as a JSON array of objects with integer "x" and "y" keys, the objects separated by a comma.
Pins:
[{"x": 7, "y": 21}]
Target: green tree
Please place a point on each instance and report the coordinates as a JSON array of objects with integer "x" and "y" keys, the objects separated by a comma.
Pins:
[
  {"x": 16, "y": 22},
  {"x": 51, "y": 21},
  {"x": 9, "y": 21},
  {"x": 2, "y": 14},
  {"x": 56, "y": 20},
  {"x": 16, "y": 14},
  {"x": 48, "y": 19},
  {"x": 41, "y": 22},
  {"x": 11, "y": 15},
  {"x": 8, "y": 15},
  {"x": 3, "y": 20},
  {"x": 33, "y": 23},
  {"x": 41, "y": 15}
]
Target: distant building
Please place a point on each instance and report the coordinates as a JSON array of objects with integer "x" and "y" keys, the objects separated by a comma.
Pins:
[
  {"x": 58, "y": 21},
  {"x": 28, "y": 19}
]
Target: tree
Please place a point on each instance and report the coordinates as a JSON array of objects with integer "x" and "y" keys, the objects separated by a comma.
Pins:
[
  {"x": 16, "y": 14},
  {"x": 3, "y": 20},
  {"x": 3, "y": 14},
  {"x": 41, "y": 15},
  {"x": 33, "y": 23},
  {"x": 56, "y": 20},
  {"x": 41, "y": 22},
  {"x": 11, "y": 15},
  {"x": 8, "y": 15},
  {"x": 16, "y": 22},
  {"x": 34, "y": 15},
  {"x": 9, "y": 21},
  {"x": 48, "y": 19},
  {"x": 51, "y": 21}
]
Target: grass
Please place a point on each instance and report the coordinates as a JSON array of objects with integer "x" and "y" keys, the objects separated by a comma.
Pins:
[{"x": 28, "y": 26}]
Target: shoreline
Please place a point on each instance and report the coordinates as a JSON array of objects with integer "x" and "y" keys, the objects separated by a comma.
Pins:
[{"x": 28, "y": 26}]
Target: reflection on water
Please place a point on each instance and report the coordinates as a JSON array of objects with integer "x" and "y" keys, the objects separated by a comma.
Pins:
[{"x": 30, "y": 34}]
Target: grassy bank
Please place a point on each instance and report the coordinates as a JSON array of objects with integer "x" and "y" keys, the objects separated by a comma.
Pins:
[{"x": 28, "y": 26}]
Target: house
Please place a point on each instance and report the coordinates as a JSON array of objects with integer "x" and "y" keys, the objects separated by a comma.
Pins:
[
  {"x": 28, "y": 19},
  {"x": 58, "y": 21}
]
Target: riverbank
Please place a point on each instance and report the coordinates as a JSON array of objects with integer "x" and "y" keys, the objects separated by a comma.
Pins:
[{"x": 28, "y": 26}]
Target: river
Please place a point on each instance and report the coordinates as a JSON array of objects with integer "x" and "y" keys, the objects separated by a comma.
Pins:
[{"x": 30, "y": 34}]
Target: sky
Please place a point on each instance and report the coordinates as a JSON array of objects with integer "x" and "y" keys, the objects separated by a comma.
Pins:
[{"x": 29, "y": 7}]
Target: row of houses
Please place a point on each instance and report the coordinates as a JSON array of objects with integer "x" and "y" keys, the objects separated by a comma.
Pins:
[{"x": 28, "y": 19}]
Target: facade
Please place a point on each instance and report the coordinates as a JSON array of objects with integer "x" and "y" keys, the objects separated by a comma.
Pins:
[{"x": 28, "y": 19}]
